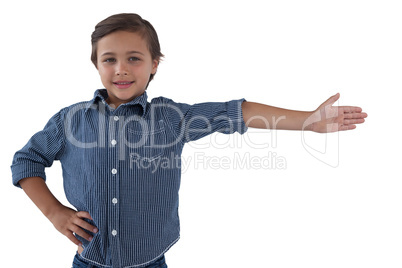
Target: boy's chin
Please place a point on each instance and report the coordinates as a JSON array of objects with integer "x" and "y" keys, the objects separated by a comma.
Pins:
[{"x": 124, "y": 98}]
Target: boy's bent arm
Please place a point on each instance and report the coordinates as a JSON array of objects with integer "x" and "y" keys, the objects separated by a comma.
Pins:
[
  {"x": 64, "y": 219},
  {"x": 326, "y": 118},
  {"x": 39, "y": 193}
]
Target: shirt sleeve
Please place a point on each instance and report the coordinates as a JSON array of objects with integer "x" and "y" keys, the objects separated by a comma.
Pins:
[
  {"x": 192, "y": 122},
  {"x": 41, "y": 150}
]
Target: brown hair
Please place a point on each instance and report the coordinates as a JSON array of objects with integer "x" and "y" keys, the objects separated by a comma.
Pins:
[{"x": 127, "y": 22}]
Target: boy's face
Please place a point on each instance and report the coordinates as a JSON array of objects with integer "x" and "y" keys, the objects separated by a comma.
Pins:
[{"x": 125, "y": 65}]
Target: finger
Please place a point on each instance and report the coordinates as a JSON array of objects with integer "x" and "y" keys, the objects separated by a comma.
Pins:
[
  {"x": 351, "y": 109},
  {"x": 355, "y": 115},
  {"x": 85, "y": 225},
  {"x": 72, "y": 238},
  {"x": 346, "y": 127},
  {"x": 331, "y": 100},
  {"x": 84, "y": 214},
  {"x": 77, "y": 230},
  {"x": 353, "y": 121}
]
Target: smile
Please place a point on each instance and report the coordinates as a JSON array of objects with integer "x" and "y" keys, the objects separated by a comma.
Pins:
[{"x": 123, "y": 84}]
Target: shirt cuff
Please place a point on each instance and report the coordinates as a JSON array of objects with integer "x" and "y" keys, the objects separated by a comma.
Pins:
[
  {"x": 25, "y": 170},
  {"x": 235, "y": 114}
]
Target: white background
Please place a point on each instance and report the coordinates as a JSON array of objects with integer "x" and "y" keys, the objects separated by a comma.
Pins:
[{"x": 317, "y": 212}]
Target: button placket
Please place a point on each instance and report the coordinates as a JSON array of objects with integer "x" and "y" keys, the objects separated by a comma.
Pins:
[{"x": 114, "y": 221}]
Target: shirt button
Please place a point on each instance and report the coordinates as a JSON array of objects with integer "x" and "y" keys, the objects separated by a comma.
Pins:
[
  {"x": 114, "y": 232},
  {"x": 113, "y": 142},
  {"x": 114, "y": 171},
  {"x": 116, "y": 118},
  {"x": 114, "y": 200}
]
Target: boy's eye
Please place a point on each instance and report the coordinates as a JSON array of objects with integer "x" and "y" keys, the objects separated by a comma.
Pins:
[
  {"x": 134, "y": 59},
  {"x": 109, "y": 60}
]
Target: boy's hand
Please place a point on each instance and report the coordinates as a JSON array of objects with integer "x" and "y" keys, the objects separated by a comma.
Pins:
[
  {"x": 68, "y": 221},
  {"x": 328, "y": 118}
]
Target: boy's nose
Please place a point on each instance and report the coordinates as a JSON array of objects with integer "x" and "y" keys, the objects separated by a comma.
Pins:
[{"x": 121, "y": 70}]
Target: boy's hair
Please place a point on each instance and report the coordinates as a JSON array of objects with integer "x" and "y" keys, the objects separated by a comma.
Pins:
[{"x": 127, "y": 22}]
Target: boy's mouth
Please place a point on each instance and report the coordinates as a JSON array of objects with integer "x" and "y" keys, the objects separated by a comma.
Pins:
[{"x": 123, "y": 84}]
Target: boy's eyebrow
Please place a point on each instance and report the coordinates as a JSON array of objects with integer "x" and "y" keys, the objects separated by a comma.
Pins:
[{"x": 129, "y": 52}]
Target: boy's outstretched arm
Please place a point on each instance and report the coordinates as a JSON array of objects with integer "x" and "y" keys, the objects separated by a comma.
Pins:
[{"x": 326, "y": 118}]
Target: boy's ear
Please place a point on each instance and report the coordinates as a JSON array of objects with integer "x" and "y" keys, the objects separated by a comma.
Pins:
[{"x": 155, "y": 64}]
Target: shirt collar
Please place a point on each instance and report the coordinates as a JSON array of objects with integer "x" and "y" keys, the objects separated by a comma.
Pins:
[{"x": 101, "y": 95}]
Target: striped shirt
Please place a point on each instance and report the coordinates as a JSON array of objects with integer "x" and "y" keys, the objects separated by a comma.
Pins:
[{"x": 123, "y": 166}]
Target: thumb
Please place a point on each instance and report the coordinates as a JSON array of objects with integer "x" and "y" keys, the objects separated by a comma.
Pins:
[{"x": 331, "y": 100}]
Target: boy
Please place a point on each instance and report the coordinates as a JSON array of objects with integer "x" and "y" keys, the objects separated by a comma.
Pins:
[{"x": 120, "y": 154}]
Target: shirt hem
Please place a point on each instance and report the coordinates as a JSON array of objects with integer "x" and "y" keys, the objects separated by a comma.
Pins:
[{"x": 137, "y": 265}]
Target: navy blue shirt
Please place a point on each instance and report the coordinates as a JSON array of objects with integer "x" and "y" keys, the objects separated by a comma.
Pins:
[{"x": 123, "y": 166}]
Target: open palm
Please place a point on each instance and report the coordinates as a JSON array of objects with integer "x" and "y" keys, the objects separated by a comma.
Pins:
[{"x": 328, "y": 118}]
